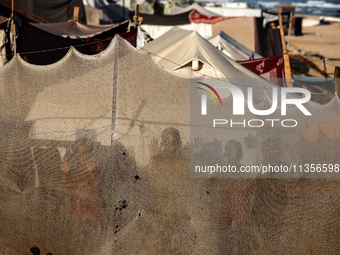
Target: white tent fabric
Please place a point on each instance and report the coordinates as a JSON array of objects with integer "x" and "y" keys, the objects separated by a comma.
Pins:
[
  {"x": 204, "y": 29},
  {"x": 156, "y": 31},
  {"x": 177, "y": 48},
  {"x": 60, "y": 108},
  {"x": 202, "y": 10},
  {"x": 236, "y": 12},
  {"x": 231, "y": 47},
  {"x": 218, "y": 11}
]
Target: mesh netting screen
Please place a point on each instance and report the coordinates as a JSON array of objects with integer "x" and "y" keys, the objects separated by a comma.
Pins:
[{"x": 95, "y": 159}]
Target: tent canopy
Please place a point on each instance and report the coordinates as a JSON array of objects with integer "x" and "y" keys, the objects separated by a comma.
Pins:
[
  {"x": 75, "y": 29},
  {"x": 231, "y": 47},
  {"x": 176, "y": 49},
  {"x": 195, "y": 6}
]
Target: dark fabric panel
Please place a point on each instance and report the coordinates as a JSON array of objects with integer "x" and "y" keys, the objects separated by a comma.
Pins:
[
  {"x": 285, "y": 20},
  {"x": 49, "y": 10},
  {"x": 79, "y": 30},
  {"x": 267, "y": 40},
  {"x": 98, "y": 47},
  {"x": 32, "y": 39},
  {"x": 116, "y": 30},
  {"x": 165, "y": 20},
  {"x": 276, "y": 13}
]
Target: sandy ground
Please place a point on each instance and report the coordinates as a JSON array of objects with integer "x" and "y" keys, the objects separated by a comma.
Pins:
[{"x": 316, "y": 44}]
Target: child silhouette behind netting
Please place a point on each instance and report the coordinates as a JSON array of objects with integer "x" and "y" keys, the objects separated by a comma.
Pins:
[
  {"x": 80, "y": 172},
  {"x": 168, "y": 173}
]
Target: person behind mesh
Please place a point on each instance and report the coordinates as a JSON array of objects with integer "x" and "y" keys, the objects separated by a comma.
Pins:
[
  {"x": 171, "y": 145},
  {"x": 168, "y": 171},
  {"x": 233, "y": 153},
  {"x": 79, "y": 172},
  {"x": 168, "y": 175}
]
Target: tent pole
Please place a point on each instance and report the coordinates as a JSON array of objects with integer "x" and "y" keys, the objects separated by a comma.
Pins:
[
  {"x": 75, "y": 14},
  {"x": 114, "y": 92},
  {"x": 13, "y": 30},
  {"x": 136, "y": 18},
  {"x": 291, "y": 14},
  {"x": 325, "y": 67},
  {"x": 285, "y": 53},
  {"x": 136, "y": 15},
  {"x": 336, "y": 78}
]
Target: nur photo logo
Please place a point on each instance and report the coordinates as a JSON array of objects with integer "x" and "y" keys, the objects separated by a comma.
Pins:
[
  {"x": 204, "y": 96},
  {"x": 280, "y": 97}
]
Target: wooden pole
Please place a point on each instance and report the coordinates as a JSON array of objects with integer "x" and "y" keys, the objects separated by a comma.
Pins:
[
  {"x": 75, "y": 14},
  {"x": 285, "y": 53},
  {"x": 13, "y": 30},
  {"x": 12, "y": 13},
  {"x": 136, "y": 15},
  {"x": 325, "y": 67},
  {"x": 136, "y": 18},
  {"x": 291, "y": 14}
]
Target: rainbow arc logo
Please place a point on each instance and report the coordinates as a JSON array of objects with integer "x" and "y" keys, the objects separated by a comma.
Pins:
[{"x": 209, "y": 93}]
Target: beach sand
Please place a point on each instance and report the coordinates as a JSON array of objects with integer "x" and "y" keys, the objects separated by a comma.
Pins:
[{"x": 317, "y": 43}]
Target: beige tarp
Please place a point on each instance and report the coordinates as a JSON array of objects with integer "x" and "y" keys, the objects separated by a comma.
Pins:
[
  {"x": 178, "y": 48},
  {"x": 231, "y": 47}
]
